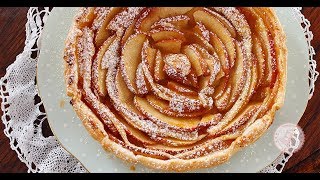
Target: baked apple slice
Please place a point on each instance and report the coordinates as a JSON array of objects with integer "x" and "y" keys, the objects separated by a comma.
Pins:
[
  {"x": 214, "y": 64},
  {"x": 221, "y": 87},
  {"x": 192, "y": 79},
  {"x": 102, "y": 33},
  {"x": 169, "y": 144},
  {"x": 166, "y": 33},
  {"x": 199, "y": 28},
  {"x": 153, "y": 15},
  {"x": 261, "y": 32},
  {"x": 179, "y": 22},
  {"x": 148, "y": 55},
  {"x": 128, "y": 32},
  {"x": 177, "y": 66},
  {"x": 141, "y": 82},
  {"x": 164, "y": 120},
  {"x": 221, "y": 52},
  {"x": 159, "y": 73},
  {"x": 224, "y": 21},
  {"x": 85, "y": 17},
  {"x": 169, "y": 45},
  {"x": 216, "y": 27},
  {"x": 99, "y": 74},
  {"x": 137, "y": 134},
  {"x": 259, "y": 55},
  {"x": 184, "y": 90},
  {"x": 130, "y": 59},
  {"x": 163, "y": 107},
  {"x": 194, "y": 58},
  {"x": 198, "y": 39},
  {"x": 210, "y": 119},
  {"x": 238, "y": 76}
]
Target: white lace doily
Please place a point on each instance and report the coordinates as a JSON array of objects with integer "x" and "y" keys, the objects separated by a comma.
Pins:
[{"x": 23, "y": 118}]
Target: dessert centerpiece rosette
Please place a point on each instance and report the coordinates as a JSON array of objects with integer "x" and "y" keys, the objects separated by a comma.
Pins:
[{"x": 176, "y": 88}]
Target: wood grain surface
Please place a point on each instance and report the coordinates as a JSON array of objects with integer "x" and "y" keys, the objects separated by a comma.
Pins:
[{"x": 12, "y": 37}]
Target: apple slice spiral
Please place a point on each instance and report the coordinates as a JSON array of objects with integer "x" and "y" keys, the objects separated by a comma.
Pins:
[{"x": 175, "y": 89}]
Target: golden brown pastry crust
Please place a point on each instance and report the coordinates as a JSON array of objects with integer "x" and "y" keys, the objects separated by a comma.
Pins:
[{"x": 100, "y": 130}]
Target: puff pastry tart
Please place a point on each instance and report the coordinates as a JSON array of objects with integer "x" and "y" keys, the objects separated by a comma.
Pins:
[{"x": 176, "y": 89}]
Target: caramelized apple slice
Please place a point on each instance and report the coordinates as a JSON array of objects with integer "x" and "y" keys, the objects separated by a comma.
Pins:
[
  {"x": 121, "y": 21},
  {"x": 204, "y": 81},
  {"x": 210, "y": 119},
  {"x": 204, "y": 66},
  {"x": 159, "y": 73},
  {"x": 221, "y": 87},
  {"x": 163, "y": 107},
  {"x": 128, "y": 32},
  {"x": 216, "y": 27},
  {"x": 166, "y": 33},
  {"x": 190, "y": 103},
  {"x": 273, "y": 41},
  {"x": 213, "y": 65},
  {"x": 177, "y": 66},
  {"x": 124, "y": 94},
  {"x": 149, "y": 55},
  {"x": 224, "y": 21},
  {"x": 198, "y": 39},
  {"x": 257, "y": 51},
  {"x": 268, "y": 60},
  {"x": 241, "y": 119},
  {"x": 179, "y": 22},
  {"x": 164, "y": 120},
  {"x": 99, "y": 74},
  {"x": 260, "y": 30},
  {"x": 153, "y": 15},
  {"x": 176, "y": 146},
  {"x": 102, "y": 33},
  {"x": 167, "y": 143},
  {"x": 169, "y": 45},
  {"x": 138, "y": 135},
  {"x": 85, "y": 17},
  {"x": 254, "y": 77},
  {"x": 235, "y": 84},
  {"x": 141, "y": 83},
  {"x": 220, "y": 50},
  {"x": 124, "y": 102},
  {"x": 238, "y": 76},
  {"x": 99, "y": 15},
  {"x": 202, "y": 30},
  {"x": 194, "y": 58},
  {"x": 130, "y": 59},
  {"x": 181, "y": 89},
  {"x": 192, "y": 79}
]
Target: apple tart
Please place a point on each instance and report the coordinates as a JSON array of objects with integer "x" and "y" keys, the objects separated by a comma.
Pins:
[{"x": 176, "y": 89}]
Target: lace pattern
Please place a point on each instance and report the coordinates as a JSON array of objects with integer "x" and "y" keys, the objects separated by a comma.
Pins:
[{"x": 23, "y": 118}]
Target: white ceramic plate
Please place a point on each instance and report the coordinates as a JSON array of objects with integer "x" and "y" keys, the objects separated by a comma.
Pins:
[{"x": 74, "y": 137}]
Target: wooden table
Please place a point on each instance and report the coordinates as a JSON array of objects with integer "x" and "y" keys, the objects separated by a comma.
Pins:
[{"x": 12, "y": 37}]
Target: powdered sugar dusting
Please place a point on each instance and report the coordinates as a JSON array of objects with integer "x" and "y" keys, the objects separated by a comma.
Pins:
[
  {"x": 112, "y": 55},
  {"x": 140, "y": 81},
  {"x": 124, "y": 19},
  {"x": 100, "y": 13},
  {"x": 177, "y": 65},
  {"x": 204, "y": 31},
  {"x": 165, "y": 22},
  {"x": 85, "y": 47}
]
